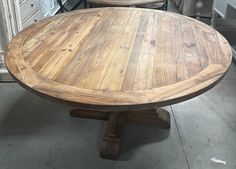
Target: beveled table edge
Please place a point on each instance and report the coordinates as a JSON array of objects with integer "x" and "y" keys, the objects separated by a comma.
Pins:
[{"x": 149, "y": 104}]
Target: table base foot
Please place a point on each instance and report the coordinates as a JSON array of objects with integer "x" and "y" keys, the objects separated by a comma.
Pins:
[
  {"x": 111, "y": 143},
  {"x": 113, "y": 137},
  {"x": 89, "y": 114},
  {"x": 158, "y": 117}
]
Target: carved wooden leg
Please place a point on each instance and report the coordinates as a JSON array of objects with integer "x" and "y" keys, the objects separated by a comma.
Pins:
[{"x": 112, "y": 139}]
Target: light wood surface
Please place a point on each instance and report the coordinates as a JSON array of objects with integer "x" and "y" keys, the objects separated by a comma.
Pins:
[
  {"x": 118, "y": 59},
  {"x": 123, "y": 2}
]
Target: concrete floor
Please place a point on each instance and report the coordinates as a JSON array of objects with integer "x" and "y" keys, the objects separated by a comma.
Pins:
[{"x": 39, "y": 134}]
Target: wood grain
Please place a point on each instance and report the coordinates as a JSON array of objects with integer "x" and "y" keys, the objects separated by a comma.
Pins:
[
  {"x": 112, "y": 140},
  {"x": 118, "y": 59},
  {"x": 158, "y": 117}
]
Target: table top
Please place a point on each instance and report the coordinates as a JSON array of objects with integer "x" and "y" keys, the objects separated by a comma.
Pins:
[
  {"x": 123, "y": 2},
  {"x": 118, "y": 58}
]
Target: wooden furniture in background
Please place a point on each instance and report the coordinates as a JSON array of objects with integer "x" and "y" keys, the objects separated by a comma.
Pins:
[
  {"x": 63, "y": 8},
  {"x": 9, "y": 26},
  {"x": 119, "y": 64},
  {"x": 129, "y": 3},
  {"x": 192, "y": 7},
  {"x": 34, "y": 10},
  {"x": 161, "y": 4},
  {"x": 18, "y": 14},
  {"x": 199, "y": 6}
]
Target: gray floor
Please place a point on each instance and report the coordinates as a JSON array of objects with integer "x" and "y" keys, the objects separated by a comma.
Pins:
[{"x": 39, "y": 134}]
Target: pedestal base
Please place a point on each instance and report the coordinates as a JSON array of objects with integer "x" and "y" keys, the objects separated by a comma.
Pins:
[{"x": 112, "y": 139}]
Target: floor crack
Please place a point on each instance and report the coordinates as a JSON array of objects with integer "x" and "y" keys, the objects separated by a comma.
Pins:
[{"x": 181, "y": 141}]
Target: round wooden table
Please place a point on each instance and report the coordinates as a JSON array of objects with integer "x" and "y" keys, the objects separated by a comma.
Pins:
[{"x": 119, "y": 64}]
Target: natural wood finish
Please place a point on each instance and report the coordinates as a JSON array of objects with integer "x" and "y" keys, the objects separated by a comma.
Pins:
[
  {"x": 112, "y": 140},
  {"x": 123, "y": 2},
  {"x": 89, "y": 114},
  {"x": 158, "y": 117},
  {"x": 118, "y": 59}
]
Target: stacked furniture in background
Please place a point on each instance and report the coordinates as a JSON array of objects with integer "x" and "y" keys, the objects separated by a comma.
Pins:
[
  {"x": 189, "y": 7},
  {"x": 152, "y": 4},
  {"x": 18, "y": 14},
  {"x": 161, "y": 4},
  {"x": 33, "y": 10}
]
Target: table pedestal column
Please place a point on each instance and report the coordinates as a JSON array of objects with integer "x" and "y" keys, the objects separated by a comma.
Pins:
[
  {"x": 112, "y": 139},
  {"x": 111, "y": 143}
]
